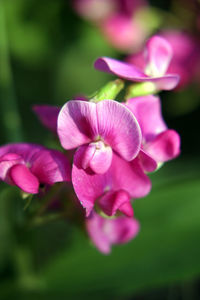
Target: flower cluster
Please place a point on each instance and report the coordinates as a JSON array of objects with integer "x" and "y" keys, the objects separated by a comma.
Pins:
[{"x": 113, "y": 147}]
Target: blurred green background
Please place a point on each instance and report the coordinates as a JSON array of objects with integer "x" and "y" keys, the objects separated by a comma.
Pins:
[{"x": 46, "y": 56}]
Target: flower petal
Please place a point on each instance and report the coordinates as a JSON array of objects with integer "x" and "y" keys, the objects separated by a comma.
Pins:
[
  {"x": 102, "y": 158},
  {"x": 7, "y": 161},
  {"x": 24, "y": 179},
  {"x": 48, "y": 115},
  {"x": 121, "y": 175},
  {"x": 166, "y": 146},
  {"x": 77, "y": 123},
  {"x": 51, "y": 166},
  {"x": 159, "y": 55},
  {"x": 147, "y": 110},
  {"x": 147, "y": 162},
  {"x": 119, "y": 128},
  {"x": 104, "y": 233},
  {"x": 111, "y": 202},
  {"x": 133, "y": 73}
]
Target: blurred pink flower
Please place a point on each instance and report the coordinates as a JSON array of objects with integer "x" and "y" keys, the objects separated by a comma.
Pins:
[
  {"x": 158, "y": 142},
  {"x": 27, "y": 166},
  {"x": 98, "y": 129},
  {"x": 157, "y": 56},
  {"x": 185, "y": 59},
  {"x": 106, "y": 232}
]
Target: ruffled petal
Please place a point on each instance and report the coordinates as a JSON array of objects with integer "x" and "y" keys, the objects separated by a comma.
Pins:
[
  {"x": 48, "y": 115},
  {"x": 77, "y": 124},
  {"x": 24, "y": 179},
  {"x": 147, "y": 110},
  {"x": 159, "y": 54},
  {"x": 147, "y": 162},
  {"x": 165, "y": 146},
  {"x": 119, "y": 128}
]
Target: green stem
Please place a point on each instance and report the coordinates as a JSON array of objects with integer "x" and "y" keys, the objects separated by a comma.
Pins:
[
  {"x": 9, "y": 110},
  {"x": 141, "y": 89}
]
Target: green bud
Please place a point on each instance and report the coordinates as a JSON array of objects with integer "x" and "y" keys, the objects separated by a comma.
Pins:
[
  {"x": 141, "y": 89},
  {"x": 109, "y": 91}
]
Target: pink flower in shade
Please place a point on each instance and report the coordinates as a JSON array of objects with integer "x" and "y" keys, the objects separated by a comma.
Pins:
[
  {"x": 157, "y": 55},
  {"x": 27, "y": 166},
  {"x": 113, "y": 190},
  {"x": 98, "y": 129},
  {"x": 104, "y": 233},
  {"x": 158, "y": 142},
  {"x": 185, "y": 56}
]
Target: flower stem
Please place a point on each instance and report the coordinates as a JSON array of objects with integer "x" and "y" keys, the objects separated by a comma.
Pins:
[{"x": 109, "y": 91}]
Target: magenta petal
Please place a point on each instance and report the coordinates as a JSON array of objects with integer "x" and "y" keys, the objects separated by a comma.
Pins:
[
  {"x": 102, "y": 158},
  {"x": 147, "y": 162},
  {"x": 166, "y": 146},
  {"x": 118, "y": 68},
  {"x": 87, "y": 185},
  {"x": 119, "y": 128},
  {"x": 121, "y": 175},
  {"x": 104, "y": 233},
  {"x": 159, "y": 54},
  {"x": 147, "y": 110},
  {"x": 111, "y": 202},
  {"x": 77, "y": 123},
  {"x": 48, "y": 115},
  {"x": 24, "y": 179},
  {"x": 6, "y": 162},
  {"x": 87, "y": 155},
  {"x": 51, "y": 166},
  {"x": 133, "y": 73}
]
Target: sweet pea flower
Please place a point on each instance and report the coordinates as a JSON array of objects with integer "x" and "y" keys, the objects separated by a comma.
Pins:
[
  {"x": 158, "y": 142},
  {"x": 100, "y": 129},
  {"x": 28, "y": 166},
  {"x": 112, "y": 191},
  {"x": 185, "y": 56},
  {"x": 104, "y": 233},
  {"x": 157, "y": 55}
]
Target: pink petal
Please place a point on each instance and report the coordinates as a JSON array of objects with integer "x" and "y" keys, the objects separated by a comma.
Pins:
[
  {"x": 111, "y": 202},
  {"x": 147, "y": 110},
  {"x": 119, "y": 128},
  {"x": 118, "y": 68},
  {"x": 147, "y": 162},
  {"x": 102, "y": 158},
  {"x": 77, "y": 123},
  {"x": 121, "y": 175},
  {"x": 24, "y": 179},
  {"x": 104, "y": 233},
  {"x": 51, "y": 166},
  {"x": 159, "y": 55},
  {"x": 133, "y": 73},
  {"x": 97, "y": 156},
  {"x": 7, "y": 161},
  {"x": 166, "y": 146},
  {"x": 48, "y": 115}
]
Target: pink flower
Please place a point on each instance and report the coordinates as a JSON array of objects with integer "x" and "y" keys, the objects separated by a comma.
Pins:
[
  {"x": 104, "y": 233},
  {"x": 112, "y": 191},
  {"x": 27, "y": 166},
  {"x": 158, "y": 54},
  {"x": 185, "y": 56},
  {"x": 158, "y": 142},
  {"x": 98, "y": 129}
]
